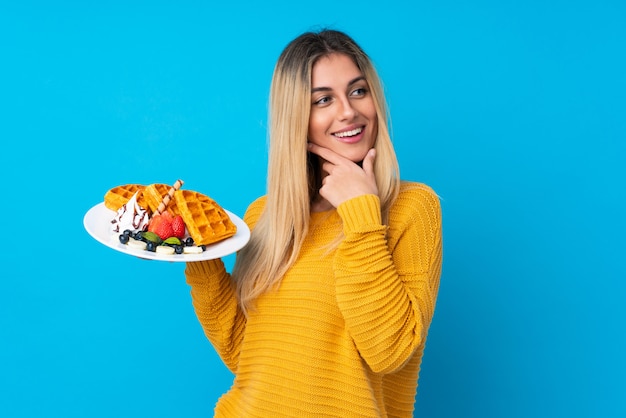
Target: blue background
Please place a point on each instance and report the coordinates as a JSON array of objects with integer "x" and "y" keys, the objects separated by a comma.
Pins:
[{"x": 514, "y": 111}]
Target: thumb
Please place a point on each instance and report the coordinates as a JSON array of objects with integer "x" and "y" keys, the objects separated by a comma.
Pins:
[{"x": 368, "y": 161}]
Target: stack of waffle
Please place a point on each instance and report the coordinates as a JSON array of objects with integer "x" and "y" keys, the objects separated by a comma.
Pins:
[{"x": 206, "y": 221}]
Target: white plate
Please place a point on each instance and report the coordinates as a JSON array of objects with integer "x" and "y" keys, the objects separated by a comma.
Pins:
[{"x": 97, "y": 222}]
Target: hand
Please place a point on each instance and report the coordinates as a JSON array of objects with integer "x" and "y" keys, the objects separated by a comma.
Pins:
[{"x": 344, "y": 178}]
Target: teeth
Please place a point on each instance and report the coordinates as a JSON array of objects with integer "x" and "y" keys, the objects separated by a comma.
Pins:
[{"x": 349, "y": 133}]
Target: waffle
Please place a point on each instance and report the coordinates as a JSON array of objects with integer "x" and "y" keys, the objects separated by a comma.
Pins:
[
  {"x": 116, "y": 197},
  {"x": 154, "y": 194},
  {"x": 206, "y": 221}
]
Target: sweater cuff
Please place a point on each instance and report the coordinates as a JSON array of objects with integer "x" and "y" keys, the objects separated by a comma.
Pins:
[
  {"x": 360, "y": 211},
  {"x": 204, "y": 268}
]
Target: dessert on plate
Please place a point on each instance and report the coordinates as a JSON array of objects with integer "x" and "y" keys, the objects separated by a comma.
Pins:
[{"x": 158, "y": 215}]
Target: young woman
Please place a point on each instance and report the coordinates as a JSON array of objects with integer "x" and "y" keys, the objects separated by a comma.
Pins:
[{"x": 326, "y": 311}]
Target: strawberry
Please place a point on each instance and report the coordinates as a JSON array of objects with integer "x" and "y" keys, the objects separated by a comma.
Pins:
[
  {"x": 155, "y": 220},
  {"x": 178, "y": 226},
  {"x": 164, "y": 230},
  {"x": 161, "y": 225},
  {"x": 167, "y": 216}
]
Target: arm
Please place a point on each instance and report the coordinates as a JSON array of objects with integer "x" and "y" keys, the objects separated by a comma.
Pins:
[
  {"x": 215, "y": 303},
  {"x": 387, "y": 278}
]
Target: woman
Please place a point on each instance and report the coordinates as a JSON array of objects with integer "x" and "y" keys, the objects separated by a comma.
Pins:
[{"x": 327, "y": 308}]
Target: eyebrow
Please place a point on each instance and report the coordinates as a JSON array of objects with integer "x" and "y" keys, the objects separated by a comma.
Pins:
[{"x": 359, "y": 78}]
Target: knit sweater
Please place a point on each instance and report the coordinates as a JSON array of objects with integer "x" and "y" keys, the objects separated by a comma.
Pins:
[{"x": 344, "y": 333}]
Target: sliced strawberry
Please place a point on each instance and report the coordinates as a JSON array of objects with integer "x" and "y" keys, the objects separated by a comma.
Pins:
[{"x": 178, "y": 226}]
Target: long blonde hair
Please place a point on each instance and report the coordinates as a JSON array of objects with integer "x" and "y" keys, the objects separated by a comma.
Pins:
[{"x": 292, "y": 179}]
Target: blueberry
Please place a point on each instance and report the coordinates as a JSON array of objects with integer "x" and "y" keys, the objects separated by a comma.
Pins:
[
  {"x": 123, "y": 238},
  {"x": 178, "y": 249},
  {"x": 151, "y": 246},
  {"x": 189, "y": 241}
]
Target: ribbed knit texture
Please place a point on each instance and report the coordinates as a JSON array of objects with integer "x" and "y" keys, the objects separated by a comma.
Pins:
[{"x": 343, "y": 335}]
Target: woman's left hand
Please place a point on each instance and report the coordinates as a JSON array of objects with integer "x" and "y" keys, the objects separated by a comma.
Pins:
[{"x": 345, "y": 179}]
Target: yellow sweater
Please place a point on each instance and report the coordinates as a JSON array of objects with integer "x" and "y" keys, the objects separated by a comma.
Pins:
[{"x": 343, "y": 335}]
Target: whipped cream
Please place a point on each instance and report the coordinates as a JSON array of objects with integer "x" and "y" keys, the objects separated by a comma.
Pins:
[{"x": 130, "y": 216}]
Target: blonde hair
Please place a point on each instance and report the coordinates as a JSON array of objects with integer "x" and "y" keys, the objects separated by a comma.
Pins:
[{"x": 293, "y": 179}]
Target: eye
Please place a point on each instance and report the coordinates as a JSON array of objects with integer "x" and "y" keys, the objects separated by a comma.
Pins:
[
  {"x": 322, "y": 100},
  {"x": 359, "y": 92}
]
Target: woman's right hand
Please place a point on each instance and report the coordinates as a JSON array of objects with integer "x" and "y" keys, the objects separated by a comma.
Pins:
[{"x": 343, "y": 178}]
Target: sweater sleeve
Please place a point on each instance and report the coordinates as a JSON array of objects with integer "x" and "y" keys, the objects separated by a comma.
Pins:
[
  {"x": 387, "y": 277},
  {"x": 215, "y": 303},
  {"x": 214, "y": 299}
]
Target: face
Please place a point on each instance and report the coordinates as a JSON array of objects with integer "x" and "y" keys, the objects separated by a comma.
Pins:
[{"x": 343, "y": 115}]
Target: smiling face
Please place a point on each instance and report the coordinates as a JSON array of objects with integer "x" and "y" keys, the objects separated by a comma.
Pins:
[{"x": 343, "y": 115}]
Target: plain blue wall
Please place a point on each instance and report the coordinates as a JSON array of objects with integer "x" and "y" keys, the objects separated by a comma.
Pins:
[{"x": 514, "y": 111}]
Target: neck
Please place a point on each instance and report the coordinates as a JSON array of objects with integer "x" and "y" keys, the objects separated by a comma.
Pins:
[{"x": 321, "y": 205}]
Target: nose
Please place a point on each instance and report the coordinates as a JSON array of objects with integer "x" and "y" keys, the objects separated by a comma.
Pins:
[{"x": 346, "y": 110}]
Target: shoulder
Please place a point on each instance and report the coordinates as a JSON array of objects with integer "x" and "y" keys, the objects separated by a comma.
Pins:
[
  {"x": 417, "y": 204},
  {"x": 418, "y": 196},
  {"x": 254, "y": 211}
]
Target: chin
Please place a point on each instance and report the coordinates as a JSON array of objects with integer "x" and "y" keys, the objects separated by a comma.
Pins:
[{"x": 356, "y": 157}]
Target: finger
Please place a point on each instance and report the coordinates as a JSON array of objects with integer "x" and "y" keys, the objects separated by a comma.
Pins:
[
  {"x": 368, "y": 161},
  {"x": 326, "y": 153},
  {"x": 328, "y": 167}
]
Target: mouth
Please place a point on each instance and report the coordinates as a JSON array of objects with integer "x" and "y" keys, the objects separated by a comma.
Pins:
[{"x": 349, "y": 134}]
